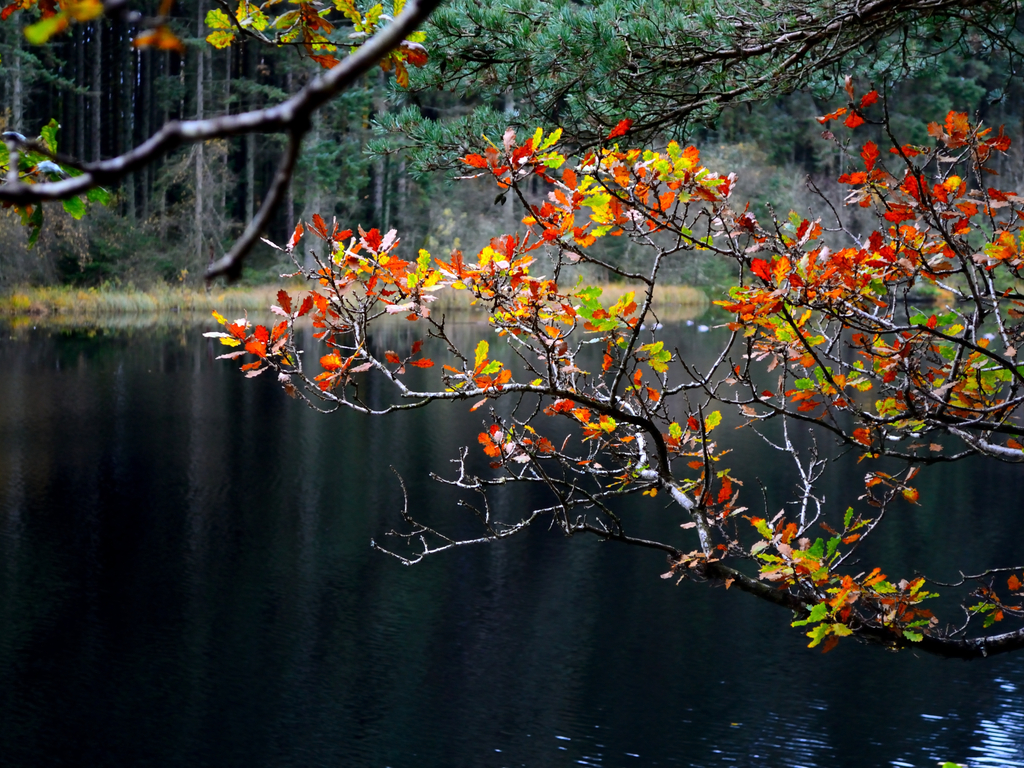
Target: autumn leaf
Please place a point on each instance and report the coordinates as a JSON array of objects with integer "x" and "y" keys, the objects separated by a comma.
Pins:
[
  {"x": 284, "y": 300},
  {"x": 481, "y": 354},
  {"x": 621, "y": 128},
  {"x": 392, "y": 358},
  {"x": 870, "y": 154},
  {"x": 163, "y": 39},
  {"x": 294, "y": 240},
  {"x": 712, "y": 420}
]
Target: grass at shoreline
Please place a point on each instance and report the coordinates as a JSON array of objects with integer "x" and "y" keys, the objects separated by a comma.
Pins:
[
  {"x": 64, "y": 304},
  {"x": 91, "y": 302}
]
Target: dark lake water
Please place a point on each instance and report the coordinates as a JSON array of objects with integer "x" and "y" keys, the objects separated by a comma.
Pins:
[{"x": 186, "y": 580}]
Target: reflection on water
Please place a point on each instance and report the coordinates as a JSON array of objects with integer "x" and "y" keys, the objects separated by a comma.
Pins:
[{"x": 186, "y": 580}]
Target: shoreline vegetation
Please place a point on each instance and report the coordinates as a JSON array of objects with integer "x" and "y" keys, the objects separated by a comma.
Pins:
[{"x": 63, "y": 305}]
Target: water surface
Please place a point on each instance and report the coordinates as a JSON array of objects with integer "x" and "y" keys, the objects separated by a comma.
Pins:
[{"x": 186, "y": 579}]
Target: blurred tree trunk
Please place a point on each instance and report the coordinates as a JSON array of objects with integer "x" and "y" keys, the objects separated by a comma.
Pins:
[
  {"x": 200, "y": 73},
  {"x": 97, "y": 89}
]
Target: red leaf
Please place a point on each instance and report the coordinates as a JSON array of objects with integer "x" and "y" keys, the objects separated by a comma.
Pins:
[
  {"x": 477, "y": 161},
  {"x": 8, "y": 10},
  {"x": 296, "y": 236},
  {"x": 933, "y": 321},
  {"x": 285, "y": 301},
  {"x": 373, "y": 239},
  {"x": 870, "y": 155},
  {"x": 854, "y": 120},
  {"x": 307, "y": 303},
  {"x": 392, "y": 358},
  {"x": 693, "y": 424},
  {"x": 760, "y": 268},
  {"x": 832, "y": 115},
  {"x": 318, "y": 226},
  {"x": 261, "y": 333},
  {"x": 422, "y": 363},
  {"x": 621, "y": 128},
  {"x": 868, "y": 99}
]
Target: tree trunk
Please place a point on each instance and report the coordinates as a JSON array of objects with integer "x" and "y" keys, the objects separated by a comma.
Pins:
[
  {"x": 80, "y": 81},
  {"x": 17, "y": 94},
  {"x": 250, "y": 144},
  {"x": 289, "y": 201},
  {"x": 199, "y": 147},
  {"x": 127, "y": 74},
  {"x": 97, "y": 89},
  {"x": 146, "y": 67},
  {"x": 227, "y": 111}
]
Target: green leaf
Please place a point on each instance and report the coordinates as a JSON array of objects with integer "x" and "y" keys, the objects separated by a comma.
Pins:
[
  {"x": 818, "y": 634},
  {"x": 49, "y": 134},
  {"x": 817, "y": 613},
  {"x": 817, "y": 550},
  {"x": 75, "y": 206},
  {"x": 914, "y": 637},
  {"x": 848, "y": 517},
  {"x": 833, "y": 543},
  {"x": 712, "y": 420},
  {"x": 803, "y": 384},
  {"x": 841, "y": 630},
  {"x": 217, "y": 19},
  {"x": 481, "y": 354},
  {"x": 675, "y": 431},
  {"x": 98, "y": 195},
  {"x": 35, "y": 221},
  {"x": 220, "y": 38},
  {"x": 40, "y": 32}
]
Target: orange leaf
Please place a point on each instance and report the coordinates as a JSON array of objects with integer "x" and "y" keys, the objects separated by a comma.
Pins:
[
  {"x": 161, "y": 38},
  {"x": 911, "y": 495},
  {"x": 490, "y": 448},
  {"x": 324, "y": 60},
  {"x": 620, "y": 129},
  {"x": 1013, "y": 583},
  {"x": 854, "y": 120},
  {"x": 331, "y": 362},
  {"x": 318, "y": 226},
  {"x": 870, "y": 155},
  {"x": 392, "y": 358},
  {"x": 422, "y": 363}
]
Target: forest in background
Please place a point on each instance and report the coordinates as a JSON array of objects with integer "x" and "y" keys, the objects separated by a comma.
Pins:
[{"x": 171, "y": 219}]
